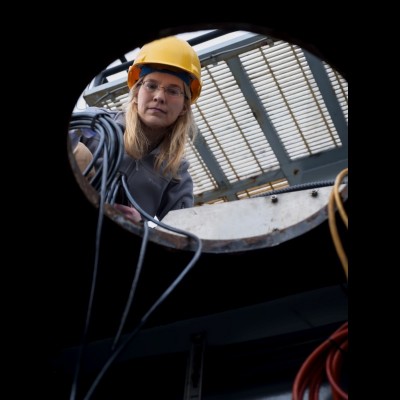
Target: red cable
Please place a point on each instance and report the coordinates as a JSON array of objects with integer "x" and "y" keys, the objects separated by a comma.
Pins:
[
  {"x": 315, "y": 383},
  {"x": 306, "y": 373},
  {"x": 311, "y": 373},
  {"x": 334, "y": 364}
]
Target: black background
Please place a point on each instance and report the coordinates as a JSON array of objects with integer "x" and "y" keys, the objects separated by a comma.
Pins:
[{"x": 52, "y": 222}]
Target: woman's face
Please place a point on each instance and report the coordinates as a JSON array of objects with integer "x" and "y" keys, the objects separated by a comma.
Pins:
[{"x": 157, "y": 108}]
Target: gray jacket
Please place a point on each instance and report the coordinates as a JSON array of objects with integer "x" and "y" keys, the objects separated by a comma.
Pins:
[{"x": 156, "y": 194}]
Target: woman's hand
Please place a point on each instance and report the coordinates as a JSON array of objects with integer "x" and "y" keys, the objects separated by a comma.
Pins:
[{"x": 129, "y": 212}]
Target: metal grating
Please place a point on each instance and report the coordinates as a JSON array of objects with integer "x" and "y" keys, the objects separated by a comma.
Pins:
[{"x": 270, "y": 115}]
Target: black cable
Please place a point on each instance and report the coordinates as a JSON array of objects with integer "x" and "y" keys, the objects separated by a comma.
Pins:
[
  {"x": 110, "y": 140},
  {"x": 134, "y": 284},
  {"x": 107, "y": 180},
  {"x": 295, "y": 188},
  {"x": 82, "y": 346},
  {"x": 114, "y": 187},
  {"x": 110, "y": 145},
  {"x": 117, "y": 351}
]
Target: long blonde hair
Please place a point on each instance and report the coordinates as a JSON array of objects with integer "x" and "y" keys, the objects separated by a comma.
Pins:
[{"x": 172, "y": 147}]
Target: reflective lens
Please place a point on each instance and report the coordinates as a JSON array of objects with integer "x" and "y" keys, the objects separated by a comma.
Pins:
[{"x": 173, "y": 91}]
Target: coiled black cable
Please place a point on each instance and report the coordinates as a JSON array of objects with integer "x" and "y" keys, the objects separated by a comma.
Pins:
[{"x": 110, "y": 141}]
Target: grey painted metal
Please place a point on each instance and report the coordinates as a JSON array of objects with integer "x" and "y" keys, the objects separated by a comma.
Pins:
[
  {"x": 230, "y": 190},
  {"x": 331, "y": 101},
  {"x": 96, "y": 96},
  {"x": 262, "y": 117},
  {"x": 212, "y": 164},
  {"x": 231, "y": 48},
  {"x": 322, "y": 166}
]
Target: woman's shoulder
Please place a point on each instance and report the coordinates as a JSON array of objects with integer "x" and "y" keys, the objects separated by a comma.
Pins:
[{"x": 185, "y": 164}]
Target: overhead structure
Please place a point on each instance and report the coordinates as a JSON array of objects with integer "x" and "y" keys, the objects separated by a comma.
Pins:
[{"x": 270, "y": 115}]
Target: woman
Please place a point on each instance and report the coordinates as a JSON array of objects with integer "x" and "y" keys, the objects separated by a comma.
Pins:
[{"x": 164, "y": 81}]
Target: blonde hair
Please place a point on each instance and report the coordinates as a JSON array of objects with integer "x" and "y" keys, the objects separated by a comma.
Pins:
[{"x": 172, "y": 147}]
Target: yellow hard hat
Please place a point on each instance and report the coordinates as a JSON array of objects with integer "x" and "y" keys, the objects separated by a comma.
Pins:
[{"x": 173, "y": 52}]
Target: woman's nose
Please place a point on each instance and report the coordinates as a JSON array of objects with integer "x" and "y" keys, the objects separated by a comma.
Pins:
[{"x": 159, "y": 93}]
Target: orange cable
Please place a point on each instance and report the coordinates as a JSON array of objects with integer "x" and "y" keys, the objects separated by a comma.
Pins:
[
  {"x": 332, "y": 223},
  {"x": 338, "y": 199}
]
